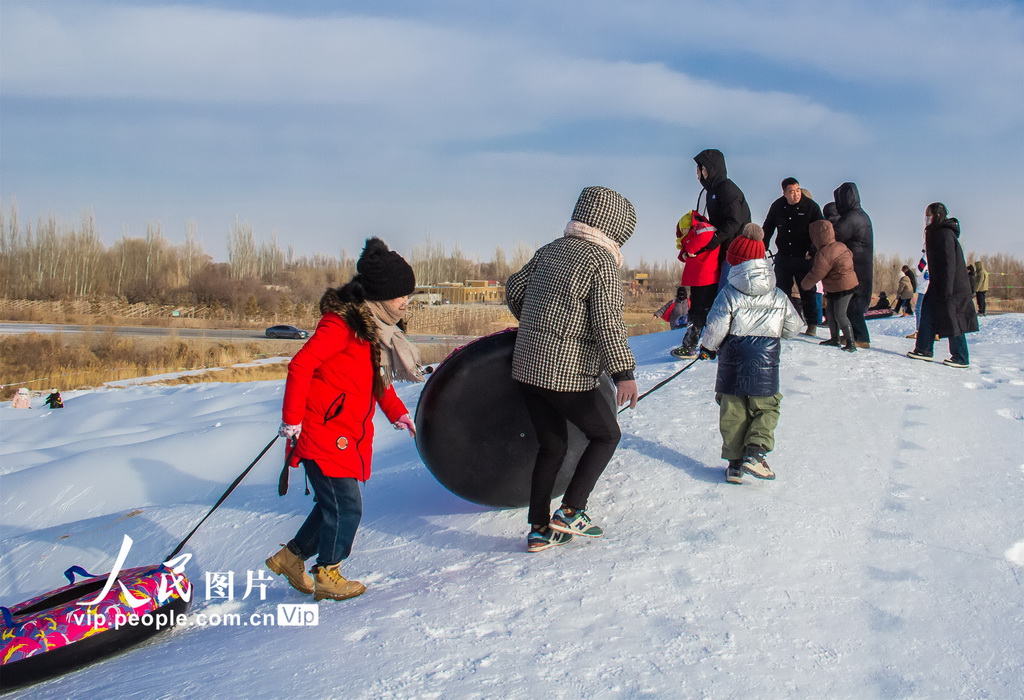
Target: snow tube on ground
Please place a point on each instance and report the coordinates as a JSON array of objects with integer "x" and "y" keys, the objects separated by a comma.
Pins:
[
  {"x": 52, "y": 633},
  {"x": 878, "y": 313},
  {"x": 473, "y": 431}
]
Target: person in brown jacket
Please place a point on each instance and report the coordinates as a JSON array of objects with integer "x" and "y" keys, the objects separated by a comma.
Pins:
[{"x": 833, "y": 267}]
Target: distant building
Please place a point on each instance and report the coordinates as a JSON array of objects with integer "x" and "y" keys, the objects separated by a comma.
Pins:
[{"x": 468, "y": 292}]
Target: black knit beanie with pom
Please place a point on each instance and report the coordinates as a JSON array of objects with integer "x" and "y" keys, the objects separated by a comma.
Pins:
[{"x": 383, "y": 273}]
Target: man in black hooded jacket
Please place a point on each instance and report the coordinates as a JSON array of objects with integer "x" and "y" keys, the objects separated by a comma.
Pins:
[
  {"x": 726, "y": 206},
  {"x": 854, "y": 229}
]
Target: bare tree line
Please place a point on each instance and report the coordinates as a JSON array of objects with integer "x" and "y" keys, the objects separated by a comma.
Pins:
[{"x": 51, "y": 260}]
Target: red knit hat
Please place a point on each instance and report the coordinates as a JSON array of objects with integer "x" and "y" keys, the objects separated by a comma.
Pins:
[{"x": 749, "y": 245}]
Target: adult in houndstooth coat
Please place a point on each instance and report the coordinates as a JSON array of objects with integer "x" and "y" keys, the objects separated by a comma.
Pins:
[{"x": 569, "y": 303}]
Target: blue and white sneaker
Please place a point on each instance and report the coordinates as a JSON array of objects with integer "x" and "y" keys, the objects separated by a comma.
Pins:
[
  {"x": 539, "y": 540},
  {"x": 576, "y": 523}
]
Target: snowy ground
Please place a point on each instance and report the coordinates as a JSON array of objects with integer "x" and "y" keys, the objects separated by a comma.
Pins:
[{"x": 886, "y": 561}]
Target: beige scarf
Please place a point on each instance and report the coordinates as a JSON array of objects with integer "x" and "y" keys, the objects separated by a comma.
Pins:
[
  {"x": 399, "y": 359},
  {"x": 578, "y": 229}
]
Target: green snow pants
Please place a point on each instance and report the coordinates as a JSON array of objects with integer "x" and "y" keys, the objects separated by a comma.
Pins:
[{"x": 747, "y": 420}]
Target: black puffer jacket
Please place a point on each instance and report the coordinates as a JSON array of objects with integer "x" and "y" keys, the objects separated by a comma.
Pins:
[
  {"x": 854, "y": 229},
  {"x": 727, "y": 207},
  {"x": 792, "y": 222},
  {"x": 949, "y": 289}
]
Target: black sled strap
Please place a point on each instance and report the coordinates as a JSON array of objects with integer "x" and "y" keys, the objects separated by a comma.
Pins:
[
  {"x": 216, "y": 505},
  {"x": 282, "y": 481}
]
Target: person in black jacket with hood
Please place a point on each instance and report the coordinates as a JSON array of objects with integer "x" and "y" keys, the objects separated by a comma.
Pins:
[
  {"x": 854, "y": 229},
  {"x": 948, "y": 308},
  {"x": 792, "y": 214},
  {"x": 727, "y": 208}
]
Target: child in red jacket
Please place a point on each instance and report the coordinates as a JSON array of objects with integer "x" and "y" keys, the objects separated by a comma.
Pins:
[
  {"x": 335, "y": 383},
  {"x": 700, "y": 274}
]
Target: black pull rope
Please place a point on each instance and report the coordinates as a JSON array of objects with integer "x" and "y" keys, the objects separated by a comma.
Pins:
[
  {"x": 231, "y": 488},
  {"x": 662, "y": 383}
]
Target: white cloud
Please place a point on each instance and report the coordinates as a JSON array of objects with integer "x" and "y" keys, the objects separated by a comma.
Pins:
[{"x": 410, "y": 77}]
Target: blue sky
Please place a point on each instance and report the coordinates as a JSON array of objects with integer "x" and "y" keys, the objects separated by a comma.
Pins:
[{"x": 478, "y": 123}]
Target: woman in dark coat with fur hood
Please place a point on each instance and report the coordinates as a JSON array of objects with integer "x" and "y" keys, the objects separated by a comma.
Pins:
[
  {"x": 948, "y": 308},
  {"x": 335, "y": 383}
]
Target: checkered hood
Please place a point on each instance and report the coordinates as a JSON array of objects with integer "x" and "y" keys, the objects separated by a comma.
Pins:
[{"x": 606, "y": 210}]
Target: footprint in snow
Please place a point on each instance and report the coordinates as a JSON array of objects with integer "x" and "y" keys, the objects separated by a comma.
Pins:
[{"x": 1011, "y": 414}]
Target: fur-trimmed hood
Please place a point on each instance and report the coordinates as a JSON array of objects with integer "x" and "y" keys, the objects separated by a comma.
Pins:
[{"x": 349, "y": 302}]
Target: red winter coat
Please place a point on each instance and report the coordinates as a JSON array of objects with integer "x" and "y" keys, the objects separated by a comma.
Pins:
[
  {"x": 330, "y": 390},
  {"x": 701, "y": 270}
]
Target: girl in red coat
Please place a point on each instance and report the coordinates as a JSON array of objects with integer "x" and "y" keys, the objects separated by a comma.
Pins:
[{"x": 335, "y": 383}]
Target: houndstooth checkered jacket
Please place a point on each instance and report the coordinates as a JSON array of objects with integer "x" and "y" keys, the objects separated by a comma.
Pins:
[{"x": 569, "y": 303}]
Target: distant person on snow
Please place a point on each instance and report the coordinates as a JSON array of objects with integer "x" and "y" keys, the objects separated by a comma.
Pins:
[
  {"x": 905, "y": 291},
  {"x": 948, "y": 309},
  {"x": 53, "y": 400},
  {"x": 21, "y": 399},
  {"x": 568, "y": 300},
  {"x": 335, "y": 383},
  {"x": 854, "y": 230},
  {"x": 727, "y": 208},
  {"x": 675, "y": 312},
  {"x": 833, "y": 268},
  {"x": 883, "y": 303},
  {"x": 981, "y": 285},
  {"x": 791, "y": 215},
  {"x": 747, "y": 320}
]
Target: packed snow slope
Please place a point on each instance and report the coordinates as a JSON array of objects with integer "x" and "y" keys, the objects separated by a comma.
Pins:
[{"x": 884, "y": 562}]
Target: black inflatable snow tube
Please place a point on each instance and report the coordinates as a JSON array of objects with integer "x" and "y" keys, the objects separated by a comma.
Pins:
[{"x": 473, "y": 431}]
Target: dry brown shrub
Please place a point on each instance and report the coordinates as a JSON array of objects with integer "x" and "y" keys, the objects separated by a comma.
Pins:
[{"x": 40, "y": 361}]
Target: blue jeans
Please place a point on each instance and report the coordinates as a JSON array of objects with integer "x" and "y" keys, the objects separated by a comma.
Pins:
[
  {"x": 917, "y": 310},
  {"x": 330, "y": 528},
  {"x": 723, "y": 275},
  {"x": 925, "y": 344}
]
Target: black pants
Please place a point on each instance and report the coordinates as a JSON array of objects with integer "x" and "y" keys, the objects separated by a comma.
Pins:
[
  {"x": 549, "y": 410},
  {"x": 858, "y": 305},
  {"x": 790, "y": 270},
  {"x": 981, "y": 301}
]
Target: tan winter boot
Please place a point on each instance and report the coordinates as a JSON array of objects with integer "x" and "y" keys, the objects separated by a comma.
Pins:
[
  {"x": 329, "y": 583},
  {"x": 288, "y": 564}
]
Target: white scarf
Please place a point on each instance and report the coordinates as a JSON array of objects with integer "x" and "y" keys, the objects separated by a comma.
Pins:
[{"x": 578, "y": 229}]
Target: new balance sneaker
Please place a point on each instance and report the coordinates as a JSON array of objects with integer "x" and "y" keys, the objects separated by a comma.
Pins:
[
  {"x": 684, "y": 353},
  {"x": 546, "y": 538},
  {"x": 915, "y": 355},
  {"x": 574, "y": 522},
  {"x": 953, "y": 363},
  {"x": 755, "y": 465},
  {"x": 733, "y": 472}
]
